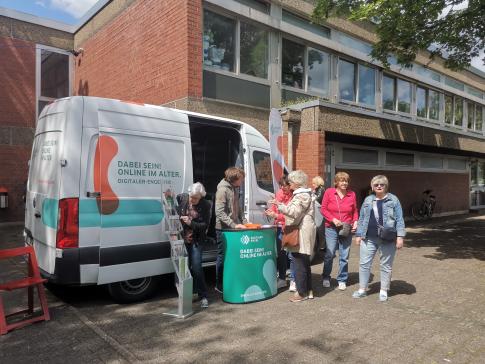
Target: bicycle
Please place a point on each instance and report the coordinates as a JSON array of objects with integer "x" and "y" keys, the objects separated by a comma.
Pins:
[{"x": 424, "y": 209}]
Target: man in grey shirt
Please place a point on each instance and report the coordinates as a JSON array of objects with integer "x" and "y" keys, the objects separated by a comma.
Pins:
[{"x": 229, "y": 214}]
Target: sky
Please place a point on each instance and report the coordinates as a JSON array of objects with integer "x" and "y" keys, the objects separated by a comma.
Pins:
[
  {"x": 66, "y": 11},
  {"x": 71, "y": 11}
]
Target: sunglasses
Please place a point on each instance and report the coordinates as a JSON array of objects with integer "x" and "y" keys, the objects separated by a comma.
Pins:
[{"x": 379, "y": 185}]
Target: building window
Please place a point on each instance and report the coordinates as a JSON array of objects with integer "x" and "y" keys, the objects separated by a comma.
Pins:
[
  {"x": 478, "y": 118},
  {"x": 305, "y": 24},
  {"x": 218, "y": 40},
  {"x": 360, "y": 156},
  {"x": 346, "y": 76},
  {"x": 421, "y": 102},
  {"x": 448, "y": 109},
  {"x": 53, "y": 76},
  {"x": 458, "y": 111},
  {"x": 261, "y": 6},
  {"x": 454, "y": 83},
  {"x": 254, "y": 51},
  {"x": 292, "y": 67},
  {"x": 367, "y": 85},
  {"x": 434, "y": 104},
  {"x": 457, "y": 164},
  {"x": 388, "y": 93},
  {"x": 399, "y": 159},
  {"x": 403, "y": 96},
  {"x": 471, "y": 115},
  {"x": 318, "y": 71},
  {"x": 431, "y": 162}
]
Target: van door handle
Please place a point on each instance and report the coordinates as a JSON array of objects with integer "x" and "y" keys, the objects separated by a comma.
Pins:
[
  {"x": 261, "y": 203},
  {"x": 93, "y": 194},
  {"x": 37, "y": 215}
]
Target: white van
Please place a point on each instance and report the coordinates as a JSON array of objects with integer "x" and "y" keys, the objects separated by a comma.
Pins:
[{"x": 98, "y": 167}]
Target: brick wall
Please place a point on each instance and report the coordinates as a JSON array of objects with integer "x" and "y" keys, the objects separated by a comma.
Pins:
[
  {"x": 451, "y": 189},
  {"x": 309, "y": 153},
  {"x": 17, "y": 80},
  {"x": 17, "y": 120},
  {"x": 151, "y": 52}
]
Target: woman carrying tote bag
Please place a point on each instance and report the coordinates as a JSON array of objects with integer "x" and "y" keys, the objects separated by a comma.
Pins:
[{"x": 299, "y": 212}]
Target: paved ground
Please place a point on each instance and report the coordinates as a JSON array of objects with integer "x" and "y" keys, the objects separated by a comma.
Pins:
[{"x": 436, "y": 314}]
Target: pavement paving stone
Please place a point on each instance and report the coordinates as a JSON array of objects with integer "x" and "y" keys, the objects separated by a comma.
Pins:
[{"x": 435, "y": 314}]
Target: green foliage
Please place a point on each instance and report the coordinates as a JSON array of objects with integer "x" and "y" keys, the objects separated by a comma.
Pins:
[
  {"x": 297, "y": 101},
  {"x": 405, "y": 27}
]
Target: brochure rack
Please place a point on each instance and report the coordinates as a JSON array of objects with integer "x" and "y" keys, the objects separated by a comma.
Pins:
[{"x": 179, "y": 257}]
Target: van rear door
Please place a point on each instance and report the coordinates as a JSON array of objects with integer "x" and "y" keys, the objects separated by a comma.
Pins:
[{"x": 43, "y": 186}]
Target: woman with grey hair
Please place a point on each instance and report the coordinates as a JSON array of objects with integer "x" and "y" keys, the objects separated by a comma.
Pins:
[
  {"x": 380, "y": 227},
  {"x": 299, "y": 211},
  {"x": 195, "y": 214}
]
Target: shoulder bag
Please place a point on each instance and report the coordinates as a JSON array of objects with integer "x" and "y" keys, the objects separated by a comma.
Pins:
[
  {"x": 291, "y": 234},
  {"x": 345, "y": 229},
  {"x": 388, "y": 234}
]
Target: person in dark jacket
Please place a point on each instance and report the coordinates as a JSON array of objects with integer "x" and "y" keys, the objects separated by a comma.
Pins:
[
  {"x": 195, "y": 214},
  {"x": 318, "y": 190}
]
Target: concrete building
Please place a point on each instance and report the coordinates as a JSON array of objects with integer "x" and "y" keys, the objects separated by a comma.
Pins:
[{"x": 422, "y": 127}]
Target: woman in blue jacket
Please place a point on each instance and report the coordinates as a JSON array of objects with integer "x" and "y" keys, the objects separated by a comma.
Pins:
[{"x": 380, "y": 227}]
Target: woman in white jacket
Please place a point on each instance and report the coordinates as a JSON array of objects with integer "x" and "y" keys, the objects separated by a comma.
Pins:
[{"x": 300, "y": 212}]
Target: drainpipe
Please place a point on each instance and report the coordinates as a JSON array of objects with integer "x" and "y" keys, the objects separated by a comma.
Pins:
[{"x": 290, "y": 147}]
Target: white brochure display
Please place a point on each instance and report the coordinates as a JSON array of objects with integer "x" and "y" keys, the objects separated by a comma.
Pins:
[{"x": 179, "y": 256}]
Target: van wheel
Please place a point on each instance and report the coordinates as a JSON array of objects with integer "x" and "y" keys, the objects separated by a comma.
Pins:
[{"x": 134, "y": 290}]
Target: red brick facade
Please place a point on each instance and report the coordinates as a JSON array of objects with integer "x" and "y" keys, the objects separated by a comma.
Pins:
[
  {"x": 17, "y": 75},
  {"x": 139, "y": 57},
  {"x": 17, "y": 116},
  {"x": 308, "y": 153}
]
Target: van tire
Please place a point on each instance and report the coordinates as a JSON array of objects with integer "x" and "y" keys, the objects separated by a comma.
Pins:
[{"x": 133, "y": 290}]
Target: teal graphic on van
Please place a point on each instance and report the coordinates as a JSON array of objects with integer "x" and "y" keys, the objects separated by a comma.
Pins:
[
  {"x": 50, "y": 209},
  {"x": 129, "y": 213}
]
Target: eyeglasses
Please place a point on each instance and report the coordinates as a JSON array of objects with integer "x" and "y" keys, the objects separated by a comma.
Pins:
[{"x": 379, "y": 185}]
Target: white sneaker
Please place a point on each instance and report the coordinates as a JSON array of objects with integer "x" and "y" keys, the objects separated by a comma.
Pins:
[
  {"x": 310, "y": 295},
  {"x": 342, "y": 286},
  {"x": 326, "y": 283},
  {"x": 292, "y": 286},
  {"x": 204, "y": 303},
  {"x": 281, "y": 283}
]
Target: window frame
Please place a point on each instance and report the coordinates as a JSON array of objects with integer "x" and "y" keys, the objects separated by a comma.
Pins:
[
  {"x": 38, "y": 74},
  {"x": 382, "y": 158},
  {"x": 357, "y": 65},
  {"x": 237, "y": 47}
]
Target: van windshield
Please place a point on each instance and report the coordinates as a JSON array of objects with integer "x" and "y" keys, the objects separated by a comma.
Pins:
[{"x": 44, "y": 165}]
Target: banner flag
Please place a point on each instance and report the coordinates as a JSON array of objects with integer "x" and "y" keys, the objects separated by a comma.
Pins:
[{"x": 276, "y": 146}]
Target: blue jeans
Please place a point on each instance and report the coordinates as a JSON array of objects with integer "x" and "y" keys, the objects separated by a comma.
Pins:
[
  {"x": 292, "y": 266},
  {"x": 195, "y": 261},
  {"x": 343, "y": 244},
  {"x": 368, "y": 249}
]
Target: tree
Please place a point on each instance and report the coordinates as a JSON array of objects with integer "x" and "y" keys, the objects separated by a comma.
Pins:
[{"x": 451, "y": 29}]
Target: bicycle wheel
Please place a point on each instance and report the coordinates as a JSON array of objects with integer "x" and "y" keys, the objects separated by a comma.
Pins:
[{"x": 418, "y": 211}]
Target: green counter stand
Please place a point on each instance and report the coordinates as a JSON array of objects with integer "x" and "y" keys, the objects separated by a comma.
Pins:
[{"x": 249, "y": 265}]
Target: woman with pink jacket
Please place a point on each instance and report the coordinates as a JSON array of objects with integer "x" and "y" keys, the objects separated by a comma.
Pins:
[{"x": 339, "y": 208}]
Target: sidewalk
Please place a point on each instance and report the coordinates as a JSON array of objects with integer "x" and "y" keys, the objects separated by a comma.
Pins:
[{"x": 436, "y": 314}]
